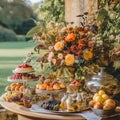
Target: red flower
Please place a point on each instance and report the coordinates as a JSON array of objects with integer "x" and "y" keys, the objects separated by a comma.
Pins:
[
  {"x": 66, "y": 52},
  {"x": 85, "y": 30},
  {"x": 83, "y": 41},
  {"x": 81, "y": 46},
  {"x": 73, "y": 48},
  {"x": 70, "y": 29},
  {"x": 76, "y": 83},
  {"x": 79, "y": 54}
]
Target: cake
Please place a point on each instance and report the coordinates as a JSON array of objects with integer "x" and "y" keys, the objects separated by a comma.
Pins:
[
  {"x": 22, "y": 76},
  {"x": 24, "y": 68}
]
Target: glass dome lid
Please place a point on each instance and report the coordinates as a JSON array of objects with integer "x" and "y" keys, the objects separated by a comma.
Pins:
[{"x": 104, "y": 81}]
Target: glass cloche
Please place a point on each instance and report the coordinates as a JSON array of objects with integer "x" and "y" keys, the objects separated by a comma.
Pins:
[{"x": 104, "y": 81}]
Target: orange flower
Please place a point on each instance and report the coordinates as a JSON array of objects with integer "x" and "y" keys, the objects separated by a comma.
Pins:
[
  {"x": 87, "y": 55},
  {"x": 70, "y": 37},
  {"x": 82, "y": 41},
  {"x": 59, "y": 46},
  {"x": 57, "y": 39},
  {"x": 69, "y": 59}
]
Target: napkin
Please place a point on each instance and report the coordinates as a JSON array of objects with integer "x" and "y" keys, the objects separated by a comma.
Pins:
[{"x": 88, "y": 115}]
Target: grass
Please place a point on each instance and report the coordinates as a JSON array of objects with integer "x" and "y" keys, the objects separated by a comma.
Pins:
[{"x": 11, "y": 55}]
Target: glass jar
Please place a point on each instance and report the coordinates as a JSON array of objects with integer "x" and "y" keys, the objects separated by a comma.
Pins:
[{"x": 104, "y": 81}]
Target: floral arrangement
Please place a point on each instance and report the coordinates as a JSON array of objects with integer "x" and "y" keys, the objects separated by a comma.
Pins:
[
  {"x": 71, "y": 52},
  {"x": 72, "y": 49}
]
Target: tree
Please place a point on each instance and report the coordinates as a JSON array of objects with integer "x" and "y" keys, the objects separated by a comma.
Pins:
[
  {"x": 52, "y": 10},
  {"x": 108, "y": 17},
  {"x": 14, "y": 13}
]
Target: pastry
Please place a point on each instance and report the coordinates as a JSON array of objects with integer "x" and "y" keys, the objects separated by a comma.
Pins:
[
  {"x": 8, "y": 88},
  {"x": 21, "y": 88},
  {"x": 62, "y": 85},
  {"x": 56, "y": 86},
  {"x": 19, "y": 102},
  {"x": 27, "y": 104},
  {"x": 37, "y": 86},
  {"x": 70, "y": 108},
  {"x": 49, "y": 84},
  {"x": 47, "y": 81},
  {"x": 49, "y": 87},
  {"x": 72, "y": 89},
  {"x": 42, "y": 86},
  {"x": 17, "y": 88},
  {"x": 24, "y": 68},
  {"x": 13, "y": 84},
  {"x": 13, "y": 88}
]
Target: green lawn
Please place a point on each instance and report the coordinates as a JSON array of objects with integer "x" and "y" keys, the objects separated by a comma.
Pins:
[{"x": 11, "y": 55}]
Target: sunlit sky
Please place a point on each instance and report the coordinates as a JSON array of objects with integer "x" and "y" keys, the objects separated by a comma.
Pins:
[{"x": 34, "y": 1}]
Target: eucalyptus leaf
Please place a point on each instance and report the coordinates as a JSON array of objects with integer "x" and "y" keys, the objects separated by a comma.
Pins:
[
  {"x": 66, "y": 72},
  {"x": 33, "y": 31}
]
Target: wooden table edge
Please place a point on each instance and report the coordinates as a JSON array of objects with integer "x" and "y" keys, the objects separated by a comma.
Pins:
[{"x": 21, "y": 110}]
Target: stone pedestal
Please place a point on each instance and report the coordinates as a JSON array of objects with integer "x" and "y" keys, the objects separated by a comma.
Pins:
[{"x": 7, "y": 115}]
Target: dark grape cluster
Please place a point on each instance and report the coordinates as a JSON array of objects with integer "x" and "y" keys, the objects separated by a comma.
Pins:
[
  {"x": 16, "y": 98},
  {"x": 51, "y": 105}
]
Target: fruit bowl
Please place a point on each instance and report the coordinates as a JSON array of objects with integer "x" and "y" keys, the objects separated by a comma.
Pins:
[{"x": 101, "y": 112}]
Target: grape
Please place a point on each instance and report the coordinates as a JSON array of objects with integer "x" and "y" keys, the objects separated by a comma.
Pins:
[
  {"x": 51, "y": 105},
  {"x": 15, "y": 98}
]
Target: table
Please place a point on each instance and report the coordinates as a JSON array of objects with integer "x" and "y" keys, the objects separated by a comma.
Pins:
[{"x": 26, "y": 114}]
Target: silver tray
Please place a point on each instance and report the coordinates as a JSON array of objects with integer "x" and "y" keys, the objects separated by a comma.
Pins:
[
  {"x": 49, "y": 91},
  {"x": 37, "y": 108}
]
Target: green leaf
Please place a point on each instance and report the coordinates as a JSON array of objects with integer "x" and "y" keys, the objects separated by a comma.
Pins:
[
  {"x": 102, "y": 14},
  {"x": 33, "y": 31},
  {"x": 66, "y": 72}
]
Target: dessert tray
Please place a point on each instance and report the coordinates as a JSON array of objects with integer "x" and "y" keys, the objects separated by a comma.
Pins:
[
  {"x": 37, "y": 108},
  {"x": 49, "y": 91},
  {"x": 22, "y": 71},
  {"x": 20, "y": 80}
]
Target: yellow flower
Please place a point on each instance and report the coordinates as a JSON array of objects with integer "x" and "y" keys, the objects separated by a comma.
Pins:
[
  {"x": 88, "y": 55},
  {"x": 59, "y": 46},
  {"x": 69, "y": 59}
]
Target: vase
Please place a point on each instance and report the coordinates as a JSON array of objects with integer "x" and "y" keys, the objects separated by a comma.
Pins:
[{"x": 103, "y": 80}]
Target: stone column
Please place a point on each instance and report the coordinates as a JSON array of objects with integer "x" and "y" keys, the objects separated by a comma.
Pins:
[
  {"x": 72, "y": 9},
  {"x": 92, "y": 9},
  {"x": 78, "y": 7}
]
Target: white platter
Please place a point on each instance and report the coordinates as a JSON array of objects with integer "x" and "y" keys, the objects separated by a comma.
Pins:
[
  {"x": 22, "y": 71},
  {"x": 20, "y": 80}
]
